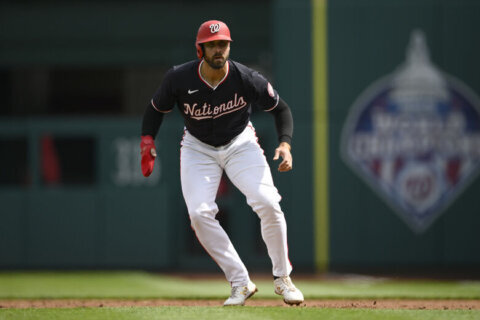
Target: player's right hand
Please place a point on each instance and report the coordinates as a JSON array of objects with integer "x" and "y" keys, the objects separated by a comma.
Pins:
[
  {"x": 149, "y": 153},
  {"x": 283, "y": 151}
]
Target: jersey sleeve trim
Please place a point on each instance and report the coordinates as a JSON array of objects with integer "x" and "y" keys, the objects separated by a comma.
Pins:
[
  {"x": 276, "y": 104},
  {"x": 162, "y": 111}
]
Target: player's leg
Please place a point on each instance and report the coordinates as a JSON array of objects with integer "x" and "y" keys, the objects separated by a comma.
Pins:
[
  {"x": 200, "y": 177},
  {"x": 249, "y": 171}
]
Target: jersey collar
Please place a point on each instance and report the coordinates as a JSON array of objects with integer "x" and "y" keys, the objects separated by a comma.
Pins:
[{"x": 221, "y": 81}]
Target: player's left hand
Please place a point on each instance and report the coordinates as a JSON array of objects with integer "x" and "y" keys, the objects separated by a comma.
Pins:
[{"x": 283, "y": 151}]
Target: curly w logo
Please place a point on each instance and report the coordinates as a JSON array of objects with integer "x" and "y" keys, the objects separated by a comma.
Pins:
[{"x": 215, "y": 27}]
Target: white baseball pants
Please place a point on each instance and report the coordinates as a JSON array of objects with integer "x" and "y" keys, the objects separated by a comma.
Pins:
[{"x": 244, "y": 163}]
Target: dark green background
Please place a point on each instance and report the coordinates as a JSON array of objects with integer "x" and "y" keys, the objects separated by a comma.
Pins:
[
  {"x": 139, "y": 226},
  {"x": 368, "y": 40}
]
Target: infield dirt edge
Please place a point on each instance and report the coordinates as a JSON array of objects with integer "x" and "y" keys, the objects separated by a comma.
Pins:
[{"x": 443, "y": 304}]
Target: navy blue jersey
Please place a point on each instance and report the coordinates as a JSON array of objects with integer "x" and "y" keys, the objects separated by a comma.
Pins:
[{"x": 214, "y": 115}]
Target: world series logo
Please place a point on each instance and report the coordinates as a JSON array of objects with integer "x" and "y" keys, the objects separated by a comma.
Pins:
[{"x": 414, "y": 138}]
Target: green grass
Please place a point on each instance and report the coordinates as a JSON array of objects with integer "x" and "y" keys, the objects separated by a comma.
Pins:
[
  {"x": 392, "y": 289},
  {"x": 142, "y": 285},
  {"x": 129, "y": 285},
  {"x": 237, "y": 313}
]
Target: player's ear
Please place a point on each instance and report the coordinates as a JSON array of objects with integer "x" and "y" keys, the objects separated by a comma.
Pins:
[{"x": 200, "y": 50}]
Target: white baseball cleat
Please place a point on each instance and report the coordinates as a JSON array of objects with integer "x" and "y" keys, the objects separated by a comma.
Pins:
[
  {"x": 240, "y": 294},
  {"x": 285, "y": 288}
]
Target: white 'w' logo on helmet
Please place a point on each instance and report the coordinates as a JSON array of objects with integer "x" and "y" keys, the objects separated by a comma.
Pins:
[{"x": 215, "y": 27}]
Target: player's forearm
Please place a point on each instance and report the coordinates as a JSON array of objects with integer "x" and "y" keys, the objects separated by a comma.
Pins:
[
  {"x": 152, "y": 120},
  {"x": 283, "y": 122}
]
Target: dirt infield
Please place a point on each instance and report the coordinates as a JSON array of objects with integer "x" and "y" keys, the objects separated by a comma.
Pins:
[{"x": 370, "y": 304}]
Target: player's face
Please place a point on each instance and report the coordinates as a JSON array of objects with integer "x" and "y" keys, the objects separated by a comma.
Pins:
[{"x": 216, "y": 53}]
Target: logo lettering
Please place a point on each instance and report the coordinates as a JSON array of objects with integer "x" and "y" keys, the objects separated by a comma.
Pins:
[
  {"x": 207, "y": 111},
  {"x": 214, "y": 27}
]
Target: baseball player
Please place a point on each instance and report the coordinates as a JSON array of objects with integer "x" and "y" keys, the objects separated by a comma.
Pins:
[{"x": 215, "y": 95}]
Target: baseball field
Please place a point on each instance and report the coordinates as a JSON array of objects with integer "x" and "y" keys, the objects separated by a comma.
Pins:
[{"x": 134, "y": 295}]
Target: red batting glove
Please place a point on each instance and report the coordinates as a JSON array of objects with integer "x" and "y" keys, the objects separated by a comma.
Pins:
[{"x": 148, "y": 152}]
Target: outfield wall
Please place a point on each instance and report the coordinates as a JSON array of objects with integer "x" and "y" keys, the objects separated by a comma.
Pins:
[
  {"x": 368, "y": 40},
  {"x": 322, "y": 56}
]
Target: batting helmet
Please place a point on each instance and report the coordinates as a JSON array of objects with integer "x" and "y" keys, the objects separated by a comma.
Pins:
[{"x": 210, "y": 31}]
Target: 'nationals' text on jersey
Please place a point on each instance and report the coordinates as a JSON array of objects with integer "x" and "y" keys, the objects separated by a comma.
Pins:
[{"x": 214, "y": 115}]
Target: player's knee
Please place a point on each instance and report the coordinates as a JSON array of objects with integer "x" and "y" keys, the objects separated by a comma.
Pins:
[
  {"x": 195, "y": 217},
  {"x": 201, "y": 213},
  {"x": 265, "y": 206}
]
